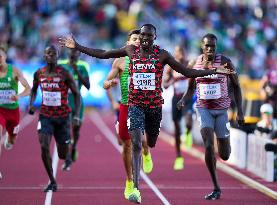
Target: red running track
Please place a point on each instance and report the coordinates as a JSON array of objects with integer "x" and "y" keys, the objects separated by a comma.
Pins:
[{"x": 97, "y": 178}]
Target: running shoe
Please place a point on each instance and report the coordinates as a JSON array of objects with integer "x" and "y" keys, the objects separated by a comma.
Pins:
[
  {"x": 147, "y": 163},
  {"x": 51, "y": 187},
  {"x": 214, "y": 195},
  {"x": 129, "y": 187},
  {"x": 179, "y": 163},
  {"x": 1, "y": 176},
  {"x": 66, "y": 165},
  {"x": 74, "y": 155},
  {"x": 7, "y": 145},
  {"x": 135, "y": 196}
]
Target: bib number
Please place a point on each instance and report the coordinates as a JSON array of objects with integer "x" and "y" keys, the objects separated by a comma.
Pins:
[
  {"x": 209, "y": 91},
  {"x": 144, "y": 81},
  {"x": 51, "y": 98},
  {"x": 5, "y": 96}
]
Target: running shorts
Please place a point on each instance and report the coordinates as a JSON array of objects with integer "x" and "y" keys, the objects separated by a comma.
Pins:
[
  {"x": 215, "y": 119},
  {"x": 9, "y": 119},
  {"x": 59, "y": 127},
  {"x": 145, "y": 119}
]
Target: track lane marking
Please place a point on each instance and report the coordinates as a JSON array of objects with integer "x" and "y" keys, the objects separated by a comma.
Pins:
[
  {"x": 55, "y": 161},
  {"x": 101, "y": 125}
]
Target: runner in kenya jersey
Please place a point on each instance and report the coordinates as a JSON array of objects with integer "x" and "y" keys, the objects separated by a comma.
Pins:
[
  {"x": 120, "y": 67},
  {"x": 54, "y": 82},
  {"x": 146, "y": 76}
]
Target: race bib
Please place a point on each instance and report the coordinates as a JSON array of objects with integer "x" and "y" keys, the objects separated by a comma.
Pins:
[
  {"x": 51, "y": 98},
  {"x": 5, "y": 96},
  {"x": 180, "y": 86},
  {"x": 144, "y": 81},
  {"x": 209, "y": 91}
]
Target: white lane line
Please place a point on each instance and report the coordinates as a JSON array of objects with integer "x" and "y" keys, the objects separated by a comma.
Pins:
[
  {"x": 144, "y": 187},
  {"x": 97, "y": 120},
  {"x": 225, "y": 168},
  {"x": 55, "y": 160}
]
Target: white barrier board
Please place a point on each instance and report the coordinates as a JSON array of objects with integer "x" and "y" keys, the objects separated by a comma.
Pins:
[
  {"x": 259, "y": 161},
  {"x": 238, "y": 140}
]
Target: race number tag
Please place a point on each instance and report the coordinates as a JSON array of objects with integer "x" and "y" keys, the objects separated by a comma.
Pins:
[
  {"x": 5, "y": 96},
  {"x": 144, "y": 81},
  {"x": 209, "y": 91},
  {"x": 51, "y": 98},
  {"x": 180, "y": 86}
]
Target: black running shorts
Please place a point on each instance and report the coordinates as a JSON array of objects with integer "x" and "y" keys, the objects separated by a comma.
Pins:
[
  {"x": 145, "y": 119},
  {"x": 59, "y": 127}
]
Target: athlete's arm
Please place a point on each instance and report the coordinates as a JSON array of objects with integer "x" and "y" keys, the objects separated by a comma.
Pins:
[
  {"x": 18, "y": 75},
  {"x": 111, "y": 81},
  {"x": 114, "y": 72},
  {"x": 237, "y": 91},
  {"x": 188, "y": 94},
  {"x": 83, "y": 78},
  {"x": 33, "y": 93},
  {"x": 167, "y": 58},
  {"x": 70, "y": 42},
  {"x": 72, "y": 86},
  {"x": 168, "y": 80}
]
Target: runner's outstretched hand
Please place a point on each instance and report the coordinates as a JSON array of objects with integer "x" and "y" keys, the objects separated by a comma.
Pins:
[
  {"x": 222, "y": 69},
  {"x": 67, "y": 41}
]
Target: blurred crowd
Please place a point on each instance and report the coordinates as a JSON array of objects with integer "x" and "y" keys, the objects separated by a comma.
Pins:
[{"x": 246, "y": 29}]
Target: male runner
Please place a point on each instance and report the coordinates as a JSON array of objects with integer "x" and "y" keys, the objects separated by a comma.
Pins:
[
  {"x": 120, "y": 67},
  {"x": 180, "y": 85},
  {"x": 212, "y": 103},
  {"x": 145, "y": 89},
  {"x": 79, "y": 70},
  {"x": 9, "y": 105},
  {"x": 54, "y": 118}
]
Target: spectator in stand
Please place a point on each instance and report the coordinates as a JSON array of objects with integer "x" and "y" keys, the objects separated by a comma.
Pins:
[{"x": 264, "y": 127}]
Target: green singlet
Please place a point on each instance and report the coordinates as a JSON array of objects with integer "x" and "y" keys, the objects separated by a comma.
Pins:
[
  {"x": 124, "y": 82},
  {"x": 8, "y": 87}
]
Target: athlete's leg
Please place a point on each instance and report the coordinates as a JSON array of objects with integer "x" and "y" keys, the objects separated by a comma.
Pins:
[
  {"x": 207, "y": 121},
  {"x": 222, "y": 130},
  {"x": 136, "y": 136},
  {"x": 135, "y": 124},
  {"x": 145, "y": 147},
  {"x": 62, "y": 137},
  {"x": 12, "y": 126},
  {"x": 176, "y": 117},
  {"x": 189, "y": 121},
  {"x": 45, "y": 132},
  {"x": 210, "y": 159},
  {"x": 177, "y": 134},
  {"x": 125, "y": 138},
  {"x": 1, "y": 137},
  {"x": 127, "y": 158},
  {"x": 45, "y": 140}
]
